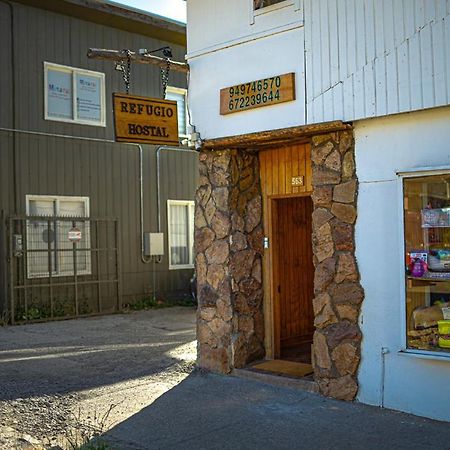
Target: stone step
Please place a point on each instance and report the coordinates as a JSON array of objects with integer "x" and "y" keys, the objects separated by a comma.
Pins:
[{"x": 304, "y": 384}]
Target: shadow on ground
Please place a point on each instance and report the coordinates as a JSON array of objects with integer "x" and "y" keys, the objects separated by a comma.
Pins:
[
  {"x": 208, "y": 411},
  {"x": 70, "y": 356}
]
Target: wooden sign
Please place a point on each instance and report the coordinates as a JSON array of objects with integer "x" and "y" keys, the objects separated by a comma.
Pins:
[
  {"x": 145, "y": 120},
  {"x": 256, "y": 94}
]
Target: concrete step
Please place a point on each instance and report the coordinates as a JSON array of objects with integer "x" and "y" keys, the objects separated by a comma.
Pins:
[{"x": 304, "y": 384}]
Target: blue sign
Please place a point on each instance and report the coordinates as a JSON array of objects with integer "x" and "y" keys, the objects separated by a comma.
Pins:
[
  {"x": 59, "y": 94},
  {"x": 88, "y": 97}
]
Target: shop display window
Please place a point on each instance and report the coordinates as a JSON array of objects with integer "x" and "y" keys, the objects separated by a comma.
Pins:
[{"x": 427, "y": 250}]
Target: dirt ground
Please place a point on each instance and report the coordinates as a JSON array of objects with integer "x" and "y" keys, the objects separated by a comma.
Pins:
[{"x": 61, "y": 382}]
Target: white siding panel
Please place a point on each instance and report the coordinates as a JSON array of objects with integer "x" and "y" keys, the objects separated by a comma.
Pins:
[
  {"x": 447, "y": 52},
  {"x": 369, "y": 91},
  {"x": 416, "y": 73},
  {"x": 403, "y": 77},
  {"x": 382, "y": 56},
  {"x": 437, "y": 36},
  {"x": 380, "y": 83},
  {"x": 427, "y": 67}
]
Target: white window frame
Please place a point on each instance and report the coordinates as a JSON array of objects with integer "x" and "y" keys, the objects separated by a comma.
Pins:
[
  {"x": 191, "y": 205},
  {"x": 402, "y": 175},
  {"x": 74, "y": 71},
  {"x": 268, "y": 9},
  {"x": 57, "y": 199},
  {"x": 183, "y": 91}
]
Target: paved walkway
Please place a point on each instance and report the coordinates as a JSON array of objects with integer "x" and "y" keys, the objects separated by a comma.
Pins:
[{"x": 208, "y": 411}]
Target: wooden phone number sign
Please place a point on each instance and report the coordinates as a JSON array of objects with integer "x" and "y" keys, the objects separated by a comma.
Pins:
[{"x": 256, "y": 94}]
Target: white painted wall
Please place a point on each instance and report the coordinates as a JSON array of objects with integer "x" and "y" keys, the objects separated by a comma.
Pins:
[
  {"x": 384, "y": 146},
  {"x": 364, "y": 58},
  {"x": 246, "y": 62},
  {"x": 215, "y": 24}
]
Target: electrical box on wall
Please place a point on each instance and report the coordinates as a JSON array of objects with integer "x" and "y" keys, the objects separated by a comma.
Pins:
[{"x": 153, "y": 244}]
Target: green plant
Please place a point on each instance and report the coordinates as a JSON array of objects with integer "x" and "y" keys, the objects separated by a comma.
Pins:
[{"x": 146, "y": 303}]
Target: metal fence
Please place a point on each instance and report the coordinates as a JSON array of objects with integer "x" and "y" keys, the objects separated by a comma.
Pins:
[{"x": 62, "y": 267}]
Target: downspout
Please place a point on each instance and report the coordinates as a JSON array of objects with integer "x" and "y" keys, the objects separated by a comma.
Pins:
[
  {"x": 384, "y": 352},
  {"x": 13, "y": 107}
]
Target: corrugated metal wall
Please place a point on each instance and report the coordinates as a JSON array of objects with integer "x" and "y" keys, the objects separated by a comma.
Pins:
[
  {"x": 107, "y": 173},
  {"x": 367, "y": 58}
]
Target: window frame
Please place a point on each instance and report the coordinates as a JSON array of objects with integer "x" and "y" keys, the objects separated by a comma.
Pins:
[
  {"x": 253, "y": 13},
  {"x": 191, "y": 214},
  {"x": 403, "y": 329},
  {"x": 183, "y": 91},
  {"x": 57, "y": 199},
  {"x": 74, "y": 71}
]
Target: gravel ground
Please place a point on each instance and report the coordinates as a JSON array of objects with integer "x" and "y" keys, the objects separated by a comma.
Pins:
[{"x": 62, "y": 382}]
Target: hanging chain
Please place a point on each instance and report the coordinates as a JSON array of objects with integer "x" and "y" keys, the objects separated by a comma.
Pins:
[
  {"x": 165, "y": 76},
  {"x": 126, "y": 71}
]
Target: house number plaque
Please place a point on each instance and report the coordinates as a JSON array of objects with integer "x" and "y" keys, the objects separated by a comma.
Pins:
[
  {"x": 256, "y": 94},
  {"x": 297, "y": 181}
]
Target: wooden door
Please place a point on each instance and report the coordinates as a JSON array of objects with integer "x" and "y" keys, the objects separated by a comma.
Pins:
[{"x": 293, "y": 280}]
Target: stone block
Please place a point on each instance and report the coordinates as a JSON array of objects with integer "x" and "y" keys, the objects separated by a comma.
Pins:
[
  {"x": 253, "y": 215},
  {"x": 221, "y": 160},
  {"x": 204, "y": 237},
  {"x": 217, "y": 252},
  {"x": 322, "y": 176},
  {"x": 346, "y": 141},
  {"x": 323, "y": 245},
  {"x": 200, "y": 268},
  {"x": 324, "y": 274},
  {"x": 220, "y": 196},
  {"x": 205, "y": 334},
  {"x": 214, "y": 359},
  {"x": 215, "y": 275},
  {"x": 343, "y": 388},
  {"x": 238, "y": 242},
  {"x": 342, "y": 235},
  {"x": 221, "y": 224},
  {"x": 320, "y": 139},
  {"x": 322, "y": 196},
  {"x": 333, "y": 161},
  {"x": 320, "y": 153},
  {"x": 342, "y": 332},
  {"x": 321, "y": 355},
  {"x": 242, "y": 264},
  {"x": 345, "y": 192},
  {"x": 346, "y": 359},
  {"x": 348, "y": 166},
  {"x": 320, "y": 216},
  {"x": 349, "y": 292},
  {"x": 347, "y": 312},
  {"x": 325, "y": 317},
  {"x": 345, "y": 213},
  {"x": 346, "y": 268}
]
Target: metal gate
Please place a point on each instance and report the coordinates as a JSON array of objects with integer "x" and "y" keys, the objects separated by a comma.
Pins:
[{"x": 63, "y": 267}]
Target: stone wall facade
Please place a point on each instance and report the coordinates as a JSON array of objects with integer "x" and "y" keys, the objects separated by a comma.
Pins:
[
  {"x": 228, "y": 244},
  {"x": 338, "y": 292}
]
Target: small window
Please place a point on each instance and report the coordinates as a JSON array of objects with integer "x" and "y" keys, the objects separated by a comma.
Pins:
[
  {"x": 427, "y": 250},
  {"x": 48, "y": 240},
  {"x": 259, "y": 4},
  {"x": 74, "y": 95},
  {"x": 180, "y": 219},
  {"x": 179, "y": 95}
]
